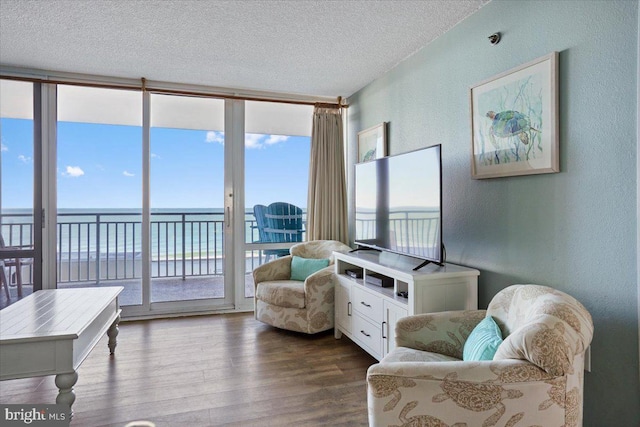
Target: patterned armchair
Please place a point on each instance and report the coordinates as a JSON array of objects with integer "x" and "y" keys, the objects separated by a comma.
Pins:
[
  {"x": 535, "y": 378},
  {"x": 295, "y": 305}
]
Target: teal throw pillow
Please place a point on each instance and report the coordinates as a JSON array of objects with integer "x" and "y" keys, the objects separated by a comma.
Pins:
[
  {"x": 483, "y": 342},
  {"x": 301, "y": 268}
]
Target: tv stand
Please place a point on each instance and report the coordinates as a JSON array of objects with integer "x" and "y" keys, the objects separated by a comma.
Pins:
[
  {"x": 421, "y": 265},
  {"x": 367, "y": 313},
  {"x": 364, "y": 248},
  {"x": 440, "y": 264}
]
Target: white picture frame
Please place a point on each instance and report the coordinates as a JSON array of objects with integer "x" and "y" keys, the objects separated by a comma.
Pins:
[
  {"x": 514, "y": 121},
  {"x": 372, "y": 143}
]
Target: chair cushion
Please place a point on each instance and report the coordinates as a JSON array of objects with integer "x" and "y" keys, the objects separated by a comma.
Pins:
[
  {"x": 283, "y": 293},
  {"x": 301, "y": 268},
  {"x": 483, "y": 342}
]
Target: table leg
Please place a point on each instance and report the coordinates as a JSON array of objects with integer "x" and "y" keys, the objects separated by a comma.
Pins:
[
  {"x": 65, "y": 383},
  {"x": 112, "y": 333}
]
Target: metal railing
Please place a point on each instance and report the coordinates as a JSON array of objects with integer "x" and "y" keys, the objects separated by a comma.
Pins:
[
  {"x": 101, "y": 246},
  {"x": 108, "y": 246}
]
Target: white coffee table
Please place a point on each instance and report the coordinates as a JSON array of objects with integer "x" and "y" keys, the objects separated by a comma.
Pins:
[{"x": 51, "y": 332}]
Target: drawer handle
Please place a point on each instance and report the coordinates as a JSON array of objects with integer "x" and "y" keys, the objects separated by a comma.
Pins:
[
  {"x": 365, "y": 334},
  {"x": 383, "y": 327},
  {"x": 365, "y": 304},
  {"x": 349, "y": 308}
]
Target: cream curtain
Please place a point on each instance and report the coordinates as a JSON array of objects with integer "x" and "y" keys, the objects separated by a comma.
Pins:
[{"x": 327, "y": 198}]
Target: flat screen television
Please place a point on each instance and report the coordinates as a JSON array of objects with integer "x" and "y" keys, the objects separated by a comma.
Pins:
[{"x": 399, "y": 204}]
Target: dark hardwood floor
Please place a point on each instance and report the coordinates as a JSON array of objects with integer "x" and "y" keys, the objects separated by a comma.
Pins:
[{"x": 214, "y": 370}]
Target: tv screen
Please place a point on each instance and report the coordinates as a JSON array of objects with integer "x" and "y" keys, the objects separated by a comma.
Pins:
[{"x": 399, "y": 204}]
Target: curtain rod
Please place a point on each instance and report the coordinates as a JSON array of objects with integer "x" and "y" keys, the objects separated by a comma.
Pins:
[
  {"x": 164, "y": 91},
  {"x": 330, "y": 105}
]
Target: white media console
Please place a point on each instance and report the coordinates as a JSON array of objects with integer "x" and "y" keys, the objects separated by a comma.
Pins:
[{"x": 367, "y": 313}]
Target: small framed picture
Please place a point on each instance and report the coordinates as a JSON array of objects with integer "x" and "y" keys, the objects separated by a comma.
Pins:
[
  {"x": 514, "y": 121},
  {"x": 372, "y": 143}
]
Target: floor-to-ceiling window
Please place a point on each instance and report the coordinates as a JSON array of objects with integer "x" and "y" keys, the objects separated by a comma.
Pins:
[
  {"x": 276, "y": 169},
  {"x": 99, "y": 191},
  {"x": 18, "y": 166},
  {"x": 148, "y": 190}
]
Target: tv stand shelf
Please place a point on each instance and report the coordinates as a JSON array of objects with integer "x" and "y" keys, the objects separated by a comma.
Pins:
[{"x": 367, "y": 313}]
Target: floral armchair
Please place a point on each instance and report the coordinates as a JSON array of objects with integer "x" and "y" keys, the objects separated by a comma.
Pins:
[
  {"x": 535, "y": 378},
  {"x": 303, "y": 306}
]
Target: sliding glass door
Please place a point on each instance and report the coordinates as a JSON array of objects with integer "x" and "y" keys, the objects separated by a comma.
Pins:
[
  {"x": 187, "y": 200},
  {"x": 153, "y": 192},
  {"x": 276, "y": 175},
  {"x": 103, "y": 163}
]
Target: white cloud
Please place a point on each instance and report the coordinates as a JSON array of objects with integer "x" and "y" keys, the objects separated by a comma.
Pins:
[
  {"x": 3, "y": 147},
  {"x": 213, "y": 136},
  {"x": 24, "y": 159},
  {"x": 73, "y": 171},
  {"x": 127, "y": 173},
  {"x": 155, "y": 156},
  {"x": 274, "y": 139},
  {"x": 252, "y": 140}
]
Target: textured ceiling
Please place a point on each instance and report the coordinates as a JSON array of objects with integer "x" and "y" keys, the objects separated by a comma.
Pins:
[{"x": 321, "y": 48}]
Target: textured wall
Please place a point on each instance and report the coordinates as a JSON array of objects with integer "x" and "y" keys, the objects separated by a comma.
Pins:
[{"x": 575, "y": 230}]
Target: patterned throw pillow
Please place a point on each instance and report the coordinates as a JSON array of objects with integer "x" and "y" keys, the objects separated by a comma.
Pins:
[
  {"x": 301, "y": 268},
  {"x": 483, "y": 342}
]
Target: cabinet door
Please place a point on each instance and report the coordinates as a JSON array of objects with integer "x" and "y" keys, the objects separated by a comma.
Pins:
[
  {"x": 392, "y": 313},
  {"x": 343, "y": 306}
]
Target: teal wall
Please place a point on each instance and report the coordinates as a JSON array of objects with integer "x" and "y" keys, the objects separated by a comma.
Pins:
[{"x": 574, "y": 230}]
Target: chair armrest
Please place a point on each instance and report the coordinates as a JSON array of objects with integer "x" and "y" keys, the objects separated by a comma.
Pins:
[
  {"x": 319, "y": 299},
  {"x": 278, "y": 269},
  {"x": 476, "y": 393},
  {"x": 316, "y": 284},
  {"x": 495, "y": 371},
  {"x": 443, "y": 332}
]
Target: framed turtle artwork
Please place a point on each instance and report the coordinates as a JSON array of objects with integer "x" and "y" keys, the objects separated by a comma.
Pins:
[
  {"x": 372, "y": 143},
  {"x": 514, "y": 121}
]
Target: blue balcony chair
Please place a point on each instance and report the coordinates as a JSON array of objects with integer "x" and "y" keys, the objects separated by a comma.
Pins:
[
  {"x": 260, "y": 211},
  {"x": 284, "y": 222}
]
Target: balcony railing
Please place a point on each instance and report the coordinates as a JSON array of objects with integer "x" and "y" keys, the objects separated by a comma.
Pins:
[
  {"x": 106, "y": 246},
  {"x": 98, "y": 246}
]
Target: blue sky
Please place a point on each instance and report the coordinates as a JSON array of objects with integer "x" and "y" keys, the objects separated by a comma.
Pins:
[{"x": 100, "y": 166}]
